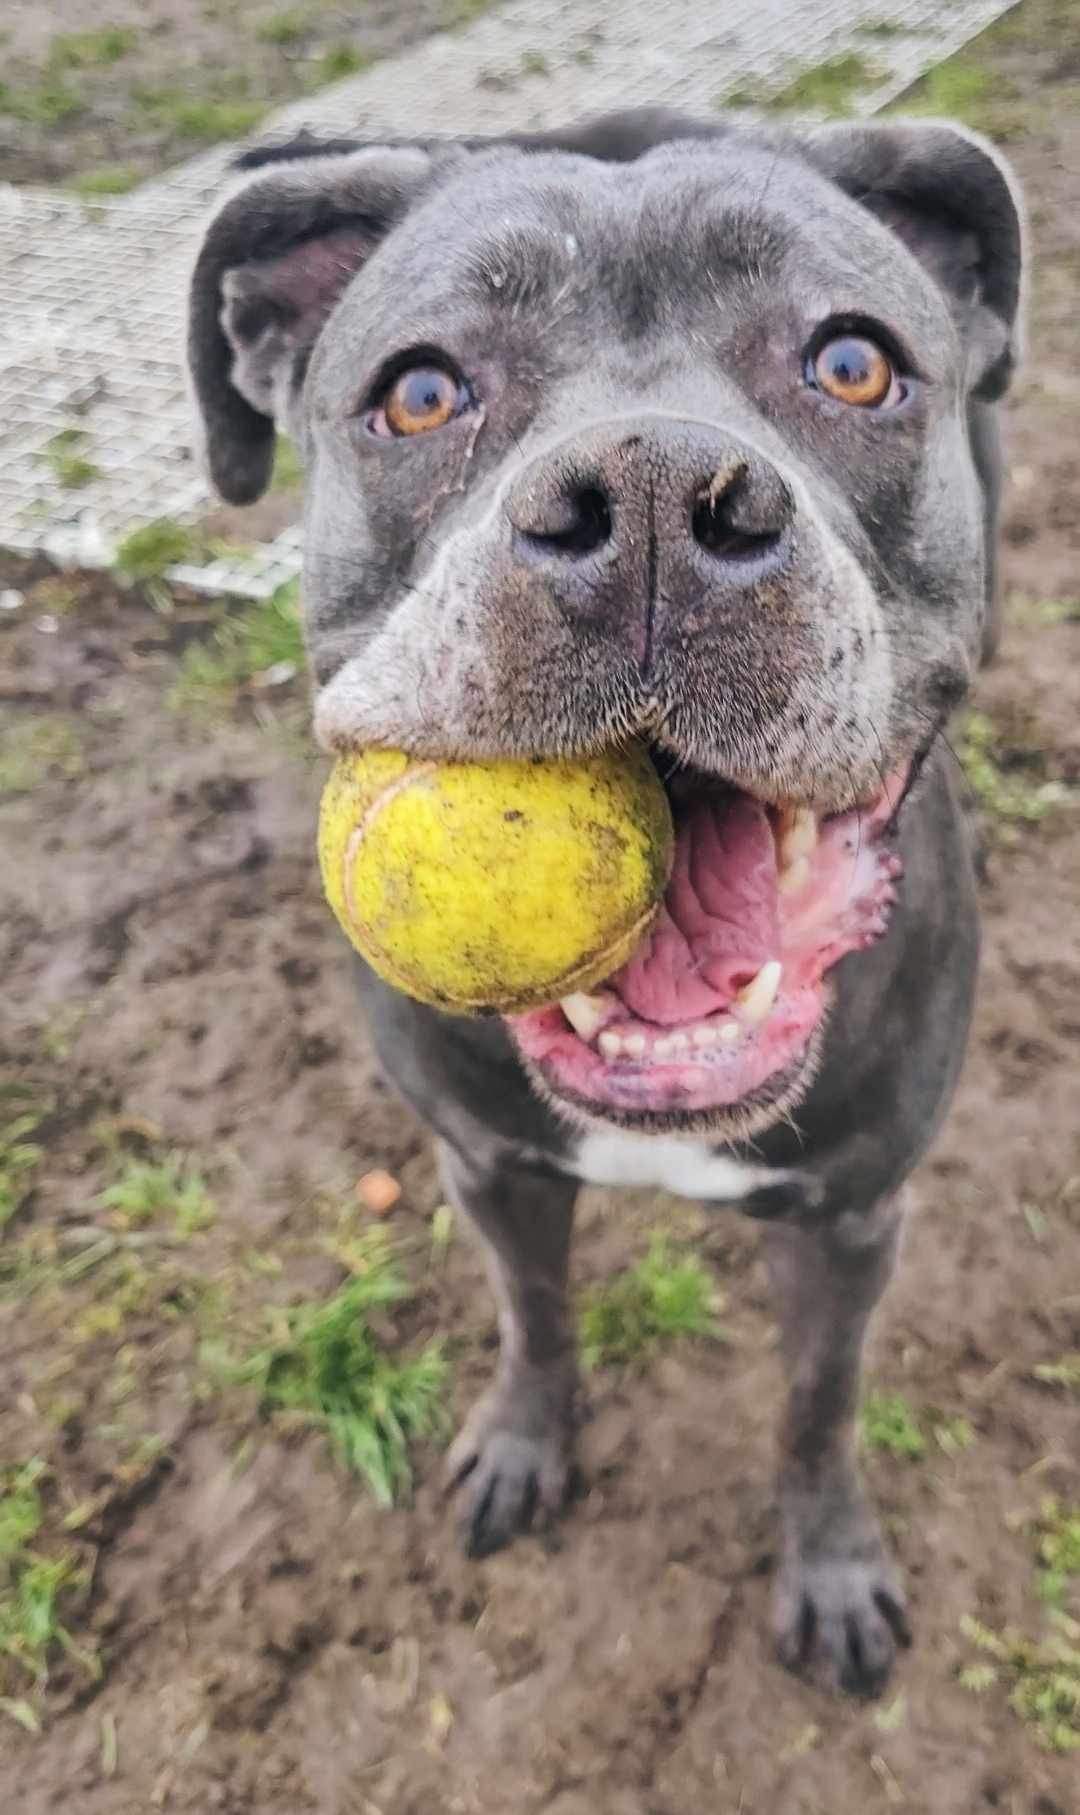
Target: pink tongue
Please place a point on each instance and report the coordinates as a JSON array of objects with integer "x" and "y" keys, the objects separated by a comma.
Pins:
[{"x": 719, "y": 922}]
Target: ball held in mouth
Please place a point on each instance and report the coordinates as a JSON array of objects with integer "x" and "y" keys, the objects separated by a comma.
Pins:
[{"x": 495, "y": 886}]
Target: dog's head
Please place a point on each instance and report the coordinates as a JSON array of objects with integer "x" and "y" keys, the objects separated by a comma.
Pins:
[{"x": 670, "y": 432}]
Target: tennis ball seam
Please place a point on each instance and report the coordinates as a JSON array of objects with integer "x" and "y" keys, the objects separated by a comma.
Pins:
[{"x": 371, "y": 814}]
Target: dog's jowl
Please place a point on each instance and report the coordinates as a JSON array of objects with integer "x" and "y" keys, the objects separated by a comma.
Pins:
[{"x": 685, "y": 434}]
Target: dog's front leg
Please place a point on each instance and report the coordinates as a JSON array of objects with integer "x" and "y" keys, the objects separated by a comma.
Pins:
[
  {"x": 838, "y": 1605},
  {"x": 513, "y": 1456}
]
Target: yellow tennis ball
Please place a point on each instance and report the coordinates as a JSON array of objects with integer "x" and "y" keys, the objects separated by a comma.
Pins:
[{"x": 494, "y": 885}]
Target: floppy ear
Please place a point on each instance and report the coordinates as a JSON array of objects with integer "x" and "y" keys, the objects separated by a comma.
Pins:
[
  {"x": 954, "y": 202},
  {"x": 272, "y": 266}
]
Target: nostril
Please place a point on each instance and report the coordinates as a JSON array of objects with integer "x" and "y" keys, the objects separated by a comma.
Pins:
[
  {"x": 579, "y": 525},
  {"x": 730, "y": 523},
  {"x": 715, "y": 532}
]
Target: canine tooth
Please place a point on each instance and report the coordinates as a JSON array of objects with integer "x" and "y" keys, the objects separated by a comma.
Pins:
[
  {"x": 705, "y": 1035},
  {"x": 793, "y": 876},
  {"x": 730, "y": 1032},
  {"x": 634, "y": 1045},
  {"x": 586, "y": 1014},
  {"x": 798, "y": 835},
  {"x": 611, "y": 1046},
  {"x": 755, "y": 1001}
]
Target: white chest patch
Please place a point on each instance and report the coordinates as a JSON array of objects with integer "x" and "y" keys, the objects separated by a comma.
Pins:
[{"x": 666, "y": 1163}]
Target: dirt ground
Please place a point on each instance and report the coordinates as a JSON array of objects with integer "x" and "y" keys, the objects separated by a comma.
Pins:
[
  {"x": 270, "y": 1641},
  {"x": 101, "y": 102}
]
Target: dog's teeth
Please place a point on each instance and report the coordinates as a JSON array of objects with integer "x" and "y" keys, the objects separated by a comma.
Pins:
[
  {"x": 705, "y": 1035},
  {"x": 634, "y": 1045},
  {"x": 730, "y": 1032},
  {"x": 662, "y": 1048},
  {"x": 586, "y": 1014},
  {"x": 794, "y": 876},
  {"x": 797, "y": 834},
  {"x": 754, "y": 1003},
  {"x": 611, "y": 1046}
]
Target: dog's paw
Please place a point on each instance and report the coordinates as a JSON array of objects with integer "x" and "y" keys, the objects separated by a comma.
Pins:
[
  {"x": 511, "y": 1465},
  {"x": 841, "y": 1618}
]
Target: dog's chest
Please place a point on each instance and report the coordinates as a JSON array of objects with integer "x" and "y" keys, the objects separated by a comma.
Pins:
[{"x": 665, "y": 1163}]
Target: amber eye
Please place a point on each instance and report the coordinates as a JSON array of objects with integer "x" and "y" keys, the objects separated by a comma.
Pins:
[
  {"x": 855, "y": 370},
  {"x": 425, "y": 397}
]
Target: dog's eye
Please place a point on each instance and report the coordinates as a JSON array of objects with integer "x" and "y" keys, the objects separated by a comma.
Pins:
[
  {"x": 854, "y": 369},
  {"x": 424, "y": 397}
]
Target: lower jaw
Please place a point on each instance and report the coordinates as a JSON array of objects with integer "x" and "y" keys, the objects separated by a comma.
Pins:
[{"x": 731, "y": 1086}]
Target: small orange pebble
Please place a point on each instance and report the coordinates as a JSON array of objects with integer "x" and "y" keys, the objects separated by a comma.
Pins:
[{"x": 378, "y": 1192}]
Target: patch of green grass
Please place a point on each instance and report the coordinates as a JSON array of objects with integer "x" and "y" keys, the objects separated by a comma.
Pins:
[
  {"x": 887, "y": 1422},
  {"x": 1008, "y": 796},
  {"x": 261, "y": 639},
  {"x": 146, "y": 1188},
  {"x": 92, "y": 49},
  {"x": 826, "y": 87},
  {"x": 953, "y": 1435},
  {"x": 149, "y": 552},
  {"x": 290, "y": 26},
  {"x": 226, "y": 113},
  {"x": 19, "y": 1158},
  {"x": 287, "y": 472},
  {"x": 51, "y": 102},
  {"x": 104, "y": 179},
  {"x": 1064, "y": 1373},
  {"x": 534, "y": 63},
  {"x": 959, "y": 89},
  {"x": 30, "y": 1586},
  {"x": 66, "y": 458},
  {"x": 1045, "y": 611},
  {"x": 327, "y": 1366},
  {"x": 339, "y": 61},
  {"x": 21, "y": 1511},
  {"x": 209, "y": 121},
  {"x": 1043, "y": 1676},
  {"x": 36, "y": 751},
  {"x": 1057, "y": 1550},
  {"x": 663, "y": 1297}
]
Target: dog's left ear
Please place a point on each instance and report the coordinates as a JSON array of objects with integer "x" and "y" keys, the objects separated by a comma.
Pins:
[
  {"x": 273, "y": 265},
  {"x": 954, "y": 202}
]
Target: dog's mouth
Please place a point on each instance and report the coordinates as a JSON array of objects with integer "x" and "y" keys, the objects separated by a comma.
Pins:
[{"x": 713, "y": 1021}]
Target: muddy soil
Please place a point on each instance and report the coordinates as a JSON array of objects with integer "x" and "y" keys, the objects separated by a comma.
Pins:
[{"x": 271, "y": 1641}]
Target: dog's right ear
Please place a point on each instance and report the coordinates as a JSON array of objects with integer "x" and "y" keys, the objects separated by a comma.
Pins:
[{"x": 273, "y": 265}]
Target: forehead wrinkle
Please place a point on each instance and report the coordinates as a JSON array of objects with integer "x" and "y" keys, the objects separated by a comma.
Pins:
[{"x": 517, "y": 267}]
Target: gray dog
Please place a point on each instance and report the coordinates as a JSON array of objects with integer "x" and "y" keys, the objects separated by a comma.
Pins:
[{"x": 685, "y": 433}]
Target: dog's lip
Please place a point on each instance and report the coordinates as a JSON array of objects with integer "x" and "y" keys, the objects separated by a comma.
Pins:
[
  {"x": 661, "y": 1042},
  {"x": 759, "y": 1107}
]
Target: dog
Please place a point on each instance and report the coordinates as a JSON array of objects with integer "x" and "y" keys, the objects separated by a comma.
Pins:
[{"x": 681, "y": 432}]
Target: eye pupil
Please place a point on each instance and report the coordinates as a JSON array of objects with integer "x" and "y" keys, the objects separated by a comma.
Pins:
[
  {"x": 421, "y": 391},
  {"x": 854, "y": 369},
  {"x": 421, "y": 398},
  {"x": 848, "y": 364}
]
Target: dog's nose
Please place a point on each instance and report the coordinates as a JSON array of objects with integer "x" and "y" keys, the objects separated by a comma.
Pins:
[{"x": 669, "y": 496}]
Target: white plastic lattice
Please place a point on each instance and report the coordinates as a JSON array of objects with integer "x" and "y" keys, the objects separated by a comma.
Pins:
[{"x": 92, "y": 299}]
